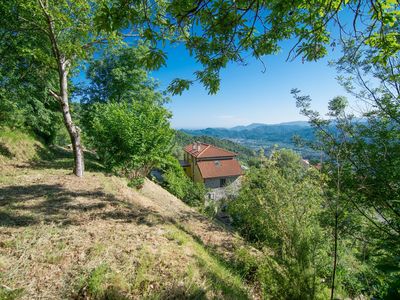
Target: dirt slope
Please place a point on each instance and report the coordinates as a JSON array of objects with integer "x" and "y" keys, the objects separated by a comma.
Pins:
[{"x": 62, "y": 237}]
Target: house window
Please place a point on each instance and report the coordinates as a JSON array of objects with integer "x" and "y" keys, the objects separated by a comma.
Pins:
[{"x": 222, "y": 182}]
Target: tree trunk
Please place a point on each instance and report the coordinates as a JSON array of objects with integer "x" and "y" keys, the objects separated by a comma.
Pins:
[
  {"x": 63, "y": 68},
  {"x": 334, "y": 255},
  {"x": 73, "y": 130}
]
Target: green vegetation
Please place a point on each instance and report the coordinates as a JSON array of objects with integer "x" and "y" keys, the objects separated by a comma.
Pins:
[
  {"x": 124, "y": 117},
  {"x": 228, "y": 31},
  {"x": 182, "y": 139},
  {"x": 105, "y": 283},
  {"x": 96, "y": 238},
  {"x": 362, "y": 164},
  {"x": 263, "y": 136},
  {"x": 278, "y": 210},
  {"x": 219, "y": 276},
  {"x": 44, "y": 54},
  {"x": 180, "y": 185},
  {"x": 15, "y": 144},
  {"x": 131, "y": 139},
  {"x": 37, "y": 49},
  {"x": 307, "y": 233}
]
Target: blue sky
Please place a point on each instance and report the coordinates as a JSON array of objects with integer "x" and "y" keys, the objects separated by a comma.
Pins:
[{"x": 247, "y": 95}]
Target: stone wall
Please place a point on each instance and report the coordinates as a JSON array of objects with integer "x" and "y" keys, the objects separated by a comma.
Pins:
[{"x": 229, "y": 191}]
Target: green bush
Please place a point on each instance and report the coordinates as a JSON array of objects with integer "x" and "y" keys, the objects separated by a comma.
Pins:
[
  {"x": 278, "y": 209},
  {"x": 131, "y": 138},
  {"x": 178, "y": 184}
]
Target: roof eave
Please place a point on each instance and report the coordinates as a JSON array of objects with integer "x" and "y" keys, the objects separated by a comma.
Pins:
[{"x": 223, "y": 176}]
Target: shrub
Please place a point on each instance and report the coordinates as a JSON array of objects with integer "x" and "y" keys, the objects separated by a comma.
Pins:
[
  {"x": 178, "y": 184},
  {"x": 278, "y": 208},
  {"x": 131, "y": 138}
]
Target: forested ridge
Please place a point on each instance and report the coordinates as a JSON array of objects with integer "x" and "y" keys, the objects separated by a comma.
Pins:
[
  {"x": 83, "y": 125},
  {"x": 266, "y": 137},
  {"x": 182, "y": 139}
]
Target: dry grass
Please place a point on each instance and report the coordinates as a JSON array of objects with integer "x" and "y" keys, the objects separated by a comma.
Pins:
[{"x": 94, "y": 238}]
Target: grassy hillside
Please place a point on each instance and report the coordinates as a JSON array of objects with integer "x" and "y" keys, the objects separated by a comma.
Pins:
[
  {"x": 62, "y": 237},
  {"x": 18, "y": 146}
]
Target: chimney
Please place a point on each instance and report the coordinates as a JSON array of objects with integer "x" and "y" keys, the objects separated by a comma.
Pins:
[{"x": 194, "y": 146}]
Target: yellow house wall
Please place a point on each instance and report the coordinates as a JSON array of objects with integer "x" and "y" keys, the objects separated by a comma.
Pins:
[
  {"x": 197, "y": 175},
  {"x": 188, "y": 169},
  {"x": 193, "y": 170}
]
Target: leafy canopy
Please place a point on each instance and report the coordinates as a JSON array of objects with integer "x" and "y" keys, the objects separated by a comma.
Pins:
[
  {"x": 131, "y": 138},
  {"x": 219, "y": 31},
  {"x": 362, "y": 159}
]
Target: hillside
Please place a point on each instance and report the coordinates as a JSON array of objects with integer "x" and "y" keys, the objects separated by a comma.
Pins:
[
  {"x": 182, "y": 139},
  {"x": 256, "y": 136},
  {"x": 273, "y": 133},
  {"x": 62, "y": 237}
]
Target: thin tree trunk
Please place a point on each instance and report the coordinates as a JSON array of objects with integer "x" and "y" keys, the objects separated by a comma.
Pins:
[
  {"x": 338, "y": 197},
  {"x": 334, "y": 254},
  {"x": 63, "y": 68},
  {"x": 73, "y": 130}
]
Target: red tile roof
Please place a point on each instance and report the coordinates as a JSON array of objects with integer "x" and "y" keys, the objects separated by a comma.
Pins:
[
  {"x": 203, "y": 150},
  {"x": 219, "y": 168}
]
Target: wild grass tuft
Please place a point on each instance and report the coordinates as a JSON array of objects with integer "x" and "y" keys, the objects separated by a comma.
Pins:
[
  {"x": 7, "y": 293},
  {"x": 223, "y": 281}
]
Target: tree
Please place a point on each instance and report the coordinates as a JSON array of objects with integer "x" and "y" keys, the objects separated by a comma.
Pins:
[
  {"x": 24, "y": 101},
  {"x": 124, "y": 114},
  {"x": 279, "y": 209},
  {"x": 180, "y": 185},
  {"x": 218, "y": 31},
  {"x": 119, "y": 76},
  {"x": 215, "y": 32},
  {"x": 60, "y": 35},
  {"x": 363, "y": 156},
  {"x": 131, "y": 138}
]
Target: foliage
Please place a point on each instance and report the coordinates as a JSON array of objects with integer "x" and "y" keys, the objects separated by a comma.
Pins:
[
  {"x": 279, "y": 208},
  {"x": 131, "y": 138},
  {"x": 180, "y": 185},
  {"x": 53, "y": 38},
  {"x": 27, "y": 108},
  {"x": 362, "y": 160},
  {"x": 217, "y": 32},
  {"x": 124, "y": 116},
  {"x": 20, "y": 146},
  {"x": 119, "y": 76},
  {"x": 182, "y": 139},
  {"x": 7, "y": 293},
  {"x": 24, "y": 101}
]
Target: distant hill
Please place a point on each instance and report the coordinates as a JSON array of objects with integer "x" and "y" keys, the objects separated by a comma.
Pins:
[
  {"x": 257, "y": 125},
  {"x": 182, "y": 139},
  {"x": 273, "y": 133},
  {"x": 298, "y": 123},
  {"x": 246, "y": 127},
  {"x": 264, "y": 136}
]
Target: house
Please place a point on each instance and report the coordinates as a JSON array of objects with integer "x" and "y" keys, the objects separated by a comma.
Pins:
[{"x": 213, "y": 166}]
